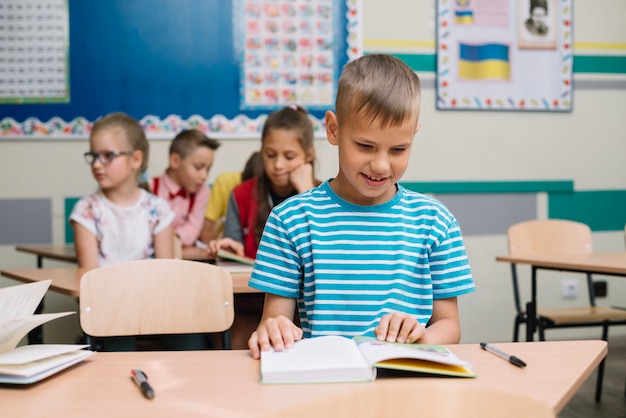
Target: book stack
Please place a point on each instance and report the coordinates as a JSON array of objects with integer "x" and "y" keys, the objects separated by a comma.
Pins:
[{"x": 30, "y": 363}]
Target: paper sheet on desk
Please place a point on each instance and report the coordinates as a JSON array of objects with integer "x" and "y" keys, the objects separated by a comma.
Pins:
[
  {"x": 14, "y": 329},
  {"x": 28, "y": 353},
  {"x": 22, "y": 300},
  {"x": 29, "y": 364}
]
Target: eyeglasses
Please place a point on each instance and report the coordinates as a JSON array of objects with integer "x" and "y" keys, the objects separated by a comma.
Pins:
[{"x": 105, "y": 157}]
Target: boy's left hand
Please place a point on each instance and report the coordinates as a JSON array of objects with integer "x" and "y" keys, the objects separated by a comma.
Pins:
[{"x": 400, "y": 327}]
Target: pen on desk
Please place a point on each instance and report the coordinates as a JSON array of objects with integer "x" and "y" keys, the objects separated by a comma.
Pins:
[
  {"x": 512, "y": 359},
  {"x": 141, "y": 380}
]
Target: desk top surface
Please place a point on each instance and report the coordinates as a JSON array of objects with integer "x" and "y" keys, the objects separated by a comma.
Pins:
[
  {"x": 68, "y": 252},
  {"x": 66, "y": 280},
  {"x": 603, "y": 263},
  {"x": 226, "y": 383}
]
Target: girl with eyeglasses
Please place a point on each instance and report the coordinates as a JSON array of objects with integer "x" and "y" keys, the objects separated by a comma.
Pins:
[{"x": 121, "y": 221}]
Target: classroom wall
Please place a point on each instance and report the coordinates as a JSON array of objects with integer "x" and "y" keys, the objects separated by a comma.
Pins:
[{"x": 586, "y": 146}]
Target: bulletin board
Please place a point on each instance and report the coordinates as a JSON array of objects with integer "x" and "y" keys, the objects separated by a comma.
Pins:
[
  {"x": 504, "y": 55},
  {"x": 173, "y": 65}
]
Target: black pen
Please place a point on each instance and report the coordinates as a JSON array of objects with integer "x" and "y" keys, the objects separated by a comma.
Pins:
[
  {"x": 512, "y": 359},
  {"x": 141, "y": 380}
]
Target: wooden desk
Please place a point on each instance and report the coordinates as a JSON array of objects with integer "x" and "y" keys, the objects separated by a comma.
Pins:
[
  {"x": 54, "y": 252},
  {"x": 66, "y": 280},
  {"x": 226, "y": 383},
  {"x": 612, "y": 264},
  {"x": 68, "y": 253}
]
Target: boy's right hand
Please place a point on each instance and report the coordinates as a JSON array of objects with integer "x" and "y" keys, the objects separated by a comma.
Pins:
[
  {"x": 280, "y": 333},
  {"x": 227, "y": 244}
]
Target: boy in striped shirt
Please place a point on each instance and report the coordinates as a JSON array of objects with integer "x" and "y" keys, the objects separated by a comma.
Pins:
[{"x": 360, "y": 254}]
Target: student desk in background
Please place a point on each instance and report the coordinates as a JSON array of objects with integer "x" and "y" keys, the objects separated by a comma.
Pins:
[
  {"x": 66, "y": 280},
  {"x": 226, "y": 383},
  {"x": 612, "y": 264},
  {"x": 68, "y": 253}
]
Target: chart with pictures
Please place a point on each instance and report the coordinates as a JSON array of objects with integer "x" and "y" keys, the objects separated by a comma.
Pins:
[
  {"x": 288, "y": 53},
  {"x": 34, "y": 39},
  {"x": 504, "y": 55}
]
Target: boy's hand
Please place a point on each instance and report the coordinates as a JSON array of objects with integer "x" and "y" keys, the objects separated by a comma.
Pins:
[
  {"x": 400, "y": 327},
  {"x": 301, "y": 178},
  {"x": 227, "y": 244},
  {"x": 280, "y": 333}
]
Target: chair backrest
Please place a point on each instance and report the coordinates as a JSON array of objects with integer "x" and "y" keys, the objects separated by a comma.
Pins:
[
  {"x": 398, "y": 398},
  {"x": 156, "y": 296},
  {"x": 549, "y": 236}
]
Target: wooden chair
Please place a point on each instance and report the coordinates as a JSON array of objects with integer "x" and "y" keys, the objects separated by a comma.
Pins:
[
  {"x": 553, "y": 237},
  {"x": 156, "y": 296},
  {"x": 398, "y": 398}
]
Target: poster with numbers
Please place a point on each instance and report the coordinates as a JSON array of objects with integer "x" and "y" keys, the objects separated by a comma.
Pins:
[
  {"x": 504, "y": 55},
  {"x": 34, "y": 38}
]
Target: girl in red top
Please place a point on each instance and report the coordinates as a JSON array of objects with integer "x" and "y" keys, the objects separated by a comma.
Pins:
[
  {"x": 288, "y": 157},
  {"x": 288, "y": 154}
]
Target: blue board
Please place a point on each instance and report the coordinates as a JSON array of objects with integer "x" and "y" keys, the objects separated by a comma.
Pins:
[{"x": 151, "y": 57}]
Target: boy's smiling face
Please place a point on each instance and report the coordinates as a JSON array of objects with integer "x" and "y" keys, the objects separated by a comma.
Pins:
[{"x": 372, "y": 158}]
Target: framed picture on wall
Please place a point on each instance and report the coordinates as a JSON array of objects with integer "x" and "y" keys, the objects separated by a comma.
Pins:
[
  {"x": 537, "y": 25},
  {"x": 504, "y": 55}
]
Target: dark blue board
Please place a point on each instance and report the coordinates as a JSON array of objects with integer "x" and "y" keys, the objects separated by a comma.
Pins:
[{"x": 152, "y": 57}]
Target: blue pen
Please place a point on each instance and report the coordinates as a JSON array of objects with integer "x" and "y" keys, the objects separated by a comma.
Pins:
[
  {"x": 512, "y": 359},
  {"x": 141, "y": 380}
]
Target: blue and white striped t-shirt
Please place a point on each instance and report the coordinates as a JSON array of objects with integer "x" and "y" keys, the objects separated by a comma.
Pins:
[{"x": 348, "y": 265}]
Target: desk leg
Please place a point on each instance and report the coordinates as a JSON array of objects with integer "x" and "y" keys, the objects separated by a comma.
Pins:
[
  {"x": 36, "y": 335},
  {"x": 531, "y": 321}
]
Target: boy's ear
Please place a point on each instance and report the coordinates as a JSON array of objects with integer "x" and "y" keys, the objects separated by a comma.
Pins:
[
  {"x": 331, "y": 127},
  {"x": 174, "y": 161},
  {"x": 417, "y": 128}
]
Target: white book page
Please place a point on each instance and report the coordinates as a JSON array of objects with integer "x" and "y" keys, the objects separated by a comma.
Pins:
[
  {"x": 374, "y": 351},
  {"x": 28, "y": 353},
  {"x": 235, "y": 267},
  {"x": 22, "y": 300},
  {"x": 329, "y": 352},
  {"x": 13, "y": 330},
  {"x": 37, "y": 370}
]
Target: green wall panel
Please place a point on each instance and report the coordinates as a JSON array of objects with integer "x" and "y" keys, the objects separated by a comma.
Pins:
[
  {"x": 600, "y": 64},
  {"x": 553, "y": 186},
  {"x": 603, "y": 210}
]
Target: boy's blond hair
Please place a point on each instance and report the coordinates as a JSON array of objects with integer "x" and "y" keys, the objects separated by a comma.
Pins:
[{"x": 380, "y": 88}]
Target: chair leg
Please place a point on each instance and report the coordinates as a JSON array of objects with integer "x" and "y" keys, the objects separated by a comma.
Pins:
[
  {"x": 542, "y": 335},
  {"x": 516, "y": 324}
]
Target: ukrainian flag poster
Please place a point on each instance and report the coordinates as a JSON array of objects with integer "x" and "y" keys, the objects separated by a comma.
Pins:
[{"x": 504, "y": 55}]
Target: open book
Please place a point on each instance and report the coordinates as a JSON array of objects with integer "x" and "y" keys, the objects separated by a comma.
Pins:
[
  {"x": 340, "y": 359},
  {"x": 234, "y": 257},
  {"x": 234, "y": 263},
  {"x": 31, "y": 363}
]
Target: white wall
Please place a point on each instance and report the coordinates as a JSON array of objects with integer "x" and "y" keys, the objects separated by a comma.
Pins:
[{"x": 587, "y": 145}]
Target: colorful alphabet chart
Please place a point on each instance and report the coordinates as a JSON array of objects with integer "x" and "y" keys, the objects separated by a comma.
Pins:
[
  {"x": 34, "y": 39},
  {"x": 504, "y": 55},
  {"x": 288, "y": 52}
]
